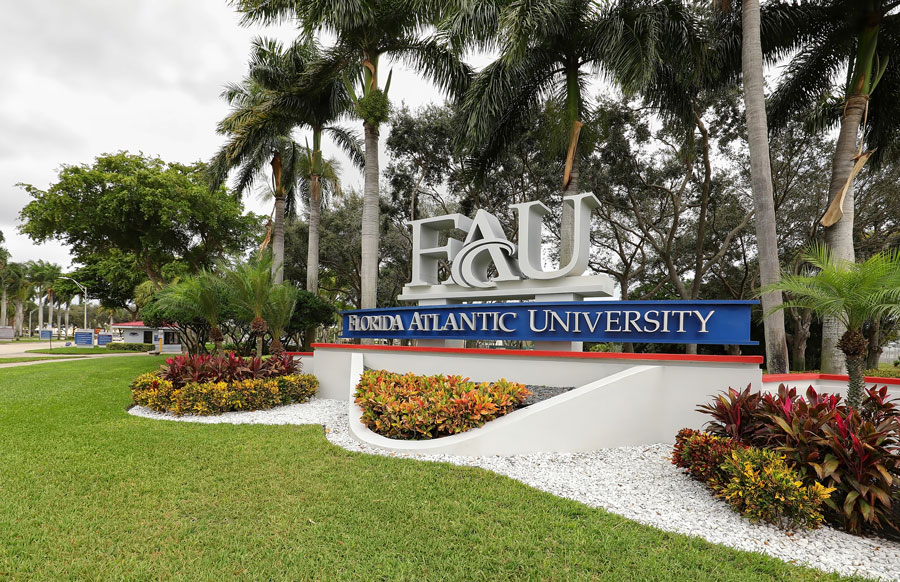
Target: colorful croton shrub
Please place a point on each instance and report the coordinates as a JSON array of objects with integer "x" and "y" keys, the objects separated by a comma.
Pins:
[
  {"x": 214, "y": 384},
  {"x": 761, "y": 486},
  {"x": 757, "y": 483},
  {"x": 854, "y": 452},
  {"x": 702, "y": 454},
  {"x": 424, "y": 407}
]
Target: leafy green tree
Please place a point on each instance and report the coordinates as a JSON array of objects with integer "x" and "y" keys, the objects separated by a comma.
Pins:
[
  {"x": 365, "y": 31},
  {"x": 853, "y": 293},
  {"x": 159, "y": 212},
  {"x": 311, "y": 312},
  {"x": 112, "y": 278}
]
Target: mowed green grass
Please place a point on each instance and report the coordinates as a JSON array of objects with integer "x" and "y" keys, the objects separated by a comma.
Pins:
[
  {"x": 74, "y": 350},
  {"x": 88, "y": 492},
  {"x": 29, "y": 359}
]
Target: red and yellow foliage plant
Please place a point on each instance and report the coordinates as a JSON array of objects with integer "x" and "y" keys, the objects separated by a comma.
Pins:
[
  {"x": 424, "y": 407},
  {"x": 206, "y": 385}
]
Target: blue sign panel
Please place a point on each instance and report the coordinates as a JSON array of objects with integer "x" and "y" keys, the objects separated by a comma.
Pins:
[
  {"x": 84, "y": 339},
  {"x": 682, "y": 322},
  {"x": 46, "y": 334},
  {"x": 104, "y": 338}
]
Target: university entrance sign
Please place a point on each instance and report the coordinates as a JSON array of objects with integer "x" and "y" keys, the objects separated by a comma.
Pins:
[
  {"x": 485, "y": 266},
  {"x": 687, "y": 322}
]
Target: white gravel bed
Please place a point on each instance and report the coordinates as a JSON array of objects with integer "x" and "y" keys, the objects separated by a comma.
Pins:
[{"x": 638, "y": 483}]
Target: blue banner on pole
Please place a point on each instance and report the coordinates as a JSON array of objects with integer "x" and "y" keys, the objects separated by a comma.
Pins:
[
  {"x": 682, "y": 322},
  {"x": 46, "y": 334}
]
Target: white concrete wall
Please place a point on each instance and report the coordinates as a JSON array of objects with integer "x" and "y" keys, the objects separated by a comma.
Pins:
[
  {"x": 618, "y": 402},
  {"x": 307, "y": 362}
]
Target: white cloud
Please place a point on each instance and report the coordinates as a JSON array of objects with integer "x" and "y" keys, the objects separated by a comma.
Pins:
[{"x": 94, "y": 76}]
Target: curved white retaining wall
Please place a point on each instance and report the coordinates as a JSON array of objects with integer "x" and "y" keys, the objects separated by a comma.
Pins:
[{"x": 621, "y": 399}]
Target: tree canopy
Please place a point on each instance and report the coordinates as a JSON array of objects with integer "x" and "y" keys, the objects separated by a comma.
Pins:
[{"x": 157, "y": 211}]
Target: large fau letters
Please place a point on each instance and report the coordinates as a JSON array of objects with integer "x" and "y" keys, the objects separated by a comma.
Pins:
[
  {"x": 517, "y": 269},
  {"x": 531, "y": 216}
]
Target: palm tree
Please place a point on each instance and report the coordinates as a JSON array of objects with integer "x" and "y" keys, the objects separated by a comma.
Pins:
[
  {"x": 42, "y": 274},
  {"x": 365, "y": 31},
  {"x": 6, "y": 276},
  {"x": 65, "y": 290},
  {"x": 203, "y": 293},
  {"x": 278, "y": 311},
  {"x": 761, "y": 186},
  {"x": 257, "y": 137},
  {"x": 853, "y": 294},
  {"x": 842, "y": 53},
  {"x": 52, "y": 274},
  {"x": 20, "y": 290},
  {"x": 319, "y": 182},
  {"x": 280, "y": 72},
  {"x": 250, "y": 285},
  {"x": 550, "y": 49}
]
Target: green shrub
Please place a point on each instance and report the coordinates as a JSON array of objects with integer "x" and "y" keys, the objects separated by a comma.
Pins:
[
  {"x": 761, "y": 487},
  {"x": 120, "y": 347},
  {"x": 424, "y": 407},
  {"x": 204, "y": 398},
  {"x": 702, "y": 455},
  {"x": 883, "y": 372}
]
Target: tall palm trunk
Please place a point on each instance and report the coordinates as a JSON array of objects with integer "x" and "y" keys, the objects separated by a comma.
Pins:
[
  {"x": 20, "y": 317},
  {"x": 370, "y": 219},
  {"x": 40, "y": 311},
  {"x": 68, "y": 307},
  {"x": 50, "y": 311},
  {"x": 761, "y": 184},
  {"x": 312, "y": 254},
  {"x": 278, "y": 225},
  {"x": 3, "y": 320},
  {"x": 839, "y": 237}
]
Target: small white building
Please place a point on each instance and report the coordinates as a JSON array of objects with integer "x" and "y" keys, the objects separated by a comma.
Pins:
[{"x": 135, "y": 332}]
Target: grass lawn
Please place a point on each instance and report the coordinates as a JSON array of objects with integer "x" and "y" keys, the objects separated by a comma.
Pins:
[
  {"x": 27, "y": 359},
  {"x": 89, "y": 492},
  {"x": 74, "y": 350}
]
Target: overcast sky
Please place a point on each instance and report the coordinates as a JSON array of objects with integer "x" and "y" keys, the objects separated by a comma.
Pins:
[{"x": 85, "y": 77}]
